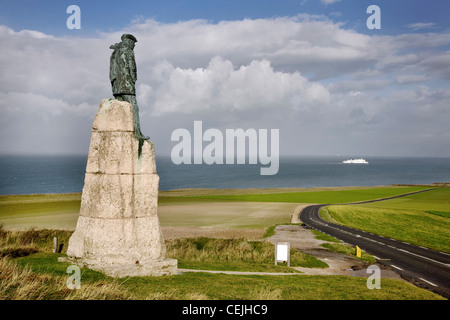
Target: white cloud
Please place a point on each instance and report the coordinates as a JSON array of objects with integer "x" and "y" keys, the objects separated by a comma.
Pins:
[
  {"x": 327, "y": 2},
  {"x": 411, "y": 78},
  {"x": 68, "y": 69},
  {"x": 222, "y": 87},
  {"x": 358, "y": 85},
  {"x": 437, "y": 65},
  {"x": 303, "y": 42},
  {"x": 420, "y": 25},
  {"x": 317, "y": 81}
]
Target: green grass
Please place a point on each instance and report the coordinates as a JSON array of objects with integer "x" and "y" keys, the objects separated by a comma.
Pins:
[
  {"x": 23, "y": 283},
  {"x": 439, "y": 213},
  {"x": 35, "y": 205},
  {"x": 61, "y": 212},
  {"x": 434, "y": 200},
  {"x": 226, "y": 215},
  {"x": 46, "y": 262},
  {"x": 334, "y": 196},
  {"x": 348, "y": 250},
  {"x": 336, "y": 246},
  {"x": 31, "y": 239},
  {"x": 40, "y": 276},
  {"x": 270, "y": 231},
  {"x": 31, "y": 250},
  {"x": 234, "y": 255},
  {"x": 325, "y": 237},
  {"x": 249, "y": 209},
  {"x": 221, "y": 286},
  {"x": 407, "y": 219},
  {"x": 192, "y": 253},
  {"x": 227, "y": 287},
  {"x": 57, "y": 211}
]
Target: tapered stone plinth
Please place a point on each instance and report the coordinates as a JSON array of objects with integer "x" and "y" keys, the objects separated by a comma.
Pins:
[{"x": 118, "y": 231}]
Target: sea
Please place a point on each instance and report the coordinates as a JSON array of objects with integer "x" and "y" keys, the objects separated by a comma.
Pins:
[{"x": 32, "y": 174}]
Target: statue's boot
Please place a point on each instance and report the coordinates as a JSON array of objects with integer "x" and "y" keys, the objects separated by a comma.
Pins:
[{"x": 138, "y": 134}]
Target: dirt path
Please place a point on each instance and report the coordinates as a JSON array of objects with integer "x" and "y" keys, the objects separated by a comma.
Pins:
[{"x": 303, "y": 240}]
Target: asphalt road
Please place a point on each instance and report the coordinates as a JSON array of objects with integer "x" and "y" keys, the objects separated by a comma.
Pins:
[{"x": 424, "y": 267}]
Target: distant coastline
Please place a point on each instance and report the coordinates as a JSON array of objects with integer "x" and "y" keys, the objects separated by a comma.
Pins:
[
  {"x": 65, "y": 174},
  {"x": 248, "y": 191}
]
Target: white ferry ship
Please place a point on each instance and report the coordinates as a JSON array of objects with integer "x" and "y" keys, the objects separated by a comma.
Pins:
[{"x": 358, "y": 161}]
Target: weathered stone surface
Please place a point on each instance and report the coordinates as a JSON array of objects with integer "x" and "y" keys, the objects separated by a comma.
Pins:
[
  {"x": 115, "y": 152},
  {"x": 114, "y": 115},
  {"x": 118, "y": 229},
  {"x": 117, "y": 241},
  {"x": 119, "y": 196},
  {"x": 164, "y": 267}
]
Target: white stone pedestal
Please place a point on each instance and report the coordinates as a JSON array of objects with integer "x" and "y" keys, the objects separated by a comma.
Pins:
[{"x": 118, "y": 231}]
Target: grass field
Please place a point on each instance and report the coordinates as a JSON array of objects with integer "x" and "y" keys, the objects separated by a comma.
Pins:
[
  {"x": 306, "y": 196},
  {"x": 50, "y": 283},
  {"x": 29, "y": 270},
  {"x": 205, "y": 208},
  {"x": 54, "y": 211},
  {"x": 40, "y": 276},
  {"x": 61, "y": 212},
  {"x": 421, "y": 219}
]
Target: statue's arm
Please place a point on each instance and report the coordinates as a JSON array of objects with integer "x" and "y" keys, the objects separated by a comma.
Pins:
[
  {"x": 112, "y": 68},
  {"x": 132, "y": 66},
  {"x": 112, "y": 75}
]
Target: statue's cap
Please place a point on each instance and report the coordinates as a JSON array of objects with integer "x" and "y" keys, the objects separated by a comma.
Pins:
[{"x": 128, "y": 36}]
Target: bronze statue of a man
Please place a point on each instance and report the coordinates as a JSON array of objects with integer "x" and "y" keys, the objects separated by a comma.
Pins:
[{"x": 123, "y": 76}]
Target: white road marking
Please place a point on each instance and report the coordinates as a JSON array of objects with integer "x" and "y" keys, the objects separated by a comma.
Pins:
[
  {"x": 414, "y": 254},
  {"x": 392, "y": 247},
  {"x": 428, "y": 282},
  {"x": 396, "y": 267},
  {"x": 405, "y": 251}
]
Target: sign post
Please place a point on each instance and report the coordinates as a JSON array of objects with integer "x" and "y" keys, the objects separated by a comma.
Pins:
[
  {"x": 282, "y": 252},
  {"x": 55, "y": 244},
  {"x": 357, "y": 252}
]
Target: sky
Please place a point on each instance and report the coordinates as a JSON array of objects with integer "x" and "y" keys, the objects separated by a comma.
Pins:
[{"x": 310, "y": 68}]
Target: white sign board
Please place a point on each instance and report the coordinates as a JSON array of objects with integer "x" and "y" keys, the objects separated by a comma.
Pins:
[{"x": 282, "y": 252}]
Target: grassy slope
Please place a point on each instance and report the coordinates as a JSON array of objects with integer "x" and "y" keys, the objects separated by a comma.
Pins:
[
  {"x": 208, "y": 286},
  {"x": 420, "y": 219},
  {"x": 234, "y": 255},
  {"x": 56, "y": 211},
  {"x": 215, "y": 208},
  {"x": 220, "y": 286},
  {"x": 334, "y": 196},
  {"x": 40, "y": 276}
]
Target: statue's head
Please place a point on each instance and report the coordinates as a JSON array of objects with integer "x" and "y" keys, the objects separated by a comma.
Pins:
[{"x": 129, "y": 40}]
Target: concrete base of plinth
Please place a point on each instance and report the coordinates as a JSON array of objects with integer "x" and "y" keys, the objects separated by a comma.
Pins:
[{"x": 164, "y": 267}]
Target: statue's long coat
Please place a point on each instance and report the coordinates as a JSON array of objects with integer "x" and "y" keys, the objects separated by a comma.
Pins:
[{"x": 122, "y": 72}]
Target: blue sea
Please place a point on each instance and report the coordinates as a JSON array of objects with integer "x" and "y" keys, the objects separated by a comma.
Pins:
[{"x": 65, "y": 174}]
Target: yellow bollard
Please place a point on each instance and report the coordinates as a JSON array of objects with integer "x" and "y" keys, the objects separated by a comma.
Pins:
[{"x": 357, "y": 252}]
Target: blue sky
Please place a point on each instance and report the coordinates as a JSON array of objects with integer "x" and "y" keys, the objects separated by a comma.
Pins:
[
  {"x": 49, "y": 16},
  {"x": 310, "y": 68}
]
